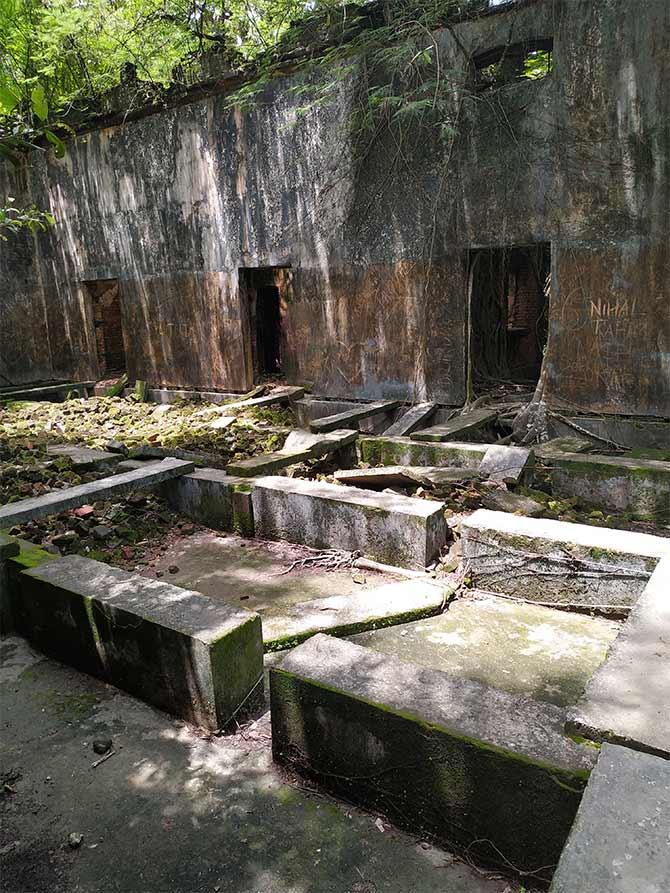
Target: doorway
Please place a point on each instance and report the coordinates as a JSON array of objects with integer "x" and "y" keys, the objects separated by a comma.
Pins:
[
  {"x": 263, "y": 292},
  {"x": 509, "y": 302},
  {"x": 108, "y": 325}
]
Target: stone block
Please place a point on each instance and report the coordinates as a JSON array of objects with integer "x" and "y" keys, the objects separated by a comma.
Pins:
[
  {"x": 178, "y": 650},
  {"x": 510, "y": 464},
  {"x": 8, "y": 548},
  {"x": 390, "y": 528},
  {"x": 619, "y": 842},
  {"x": 411, "y": 420},
  {"x": 627, "y": 701},
  {"x": 213, "y": 498},
  {"x": 351, "y": 416},
  {"x": 23, "y": 555},
  {"x": 558, "y": 562},
  {"x": 405, "y": 451},
  {"x": 638, "y": 487},
  {"x": 267, "y": 463},
  {"x": 105, "y": 488},
  {"x": 472, "y": 765},
  {"x": 344, "y": 615},
  {"x": 468, "y": 424},
  {"x": 278, "y": 395},
  {"x": 83, "y": 458}
]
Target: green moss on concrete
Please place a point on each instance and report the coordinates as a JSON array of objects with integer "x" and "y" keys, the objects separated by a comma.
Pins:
[{"x": 30, "y": 556}]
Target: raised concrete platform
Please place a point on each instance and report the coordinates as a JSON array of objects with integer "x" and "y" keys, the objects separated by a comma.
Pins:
[
  {"x": 524, "y": 649},
  {"x": 463, "y": 425},
  {"x": 639, "y": 487},
  {"x": 390, "y": 528},
  {"x": 411, "y": 420},
  {"x": 352, "y": 416},
  {"x": 628, "y": 699},
  {"x": 175, "y": 649},
  {"x": 405, "y": 451},
  {"x": 559, "y": 562},
  {"x": 83, "y": 458},
  {"x": 468, "y": 763},
  {"x": 620, "y": 842},
  {"x": 213, "y": 498},
  {"x": 72, "y": 497},
  {"x": 344, "y": 615}
]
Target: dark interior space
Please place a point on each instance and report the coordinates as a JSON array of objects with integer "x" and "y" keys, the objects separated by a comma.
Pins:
[
  {"x": 263, "y": 292},
  {"x": 508, "y": 312},
  {"x": 107, "y": 322}
]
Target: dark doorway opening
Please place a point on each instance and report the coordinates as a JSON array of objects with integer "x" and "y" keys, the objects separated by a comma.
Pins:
[
  {"x": 108, "y": 325},
  {"x": 264, "y": 292},
  {"x": 509, "y": 302}
]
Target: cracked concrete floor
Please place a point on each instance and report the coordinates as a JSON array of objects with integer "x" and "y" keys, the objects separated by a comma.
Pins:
[{"x": 173, "y": 811}]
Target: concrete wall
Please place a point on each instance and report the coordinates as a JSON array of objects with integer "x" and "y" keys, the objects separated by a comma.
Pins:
[{"x": 173, "y": 204}]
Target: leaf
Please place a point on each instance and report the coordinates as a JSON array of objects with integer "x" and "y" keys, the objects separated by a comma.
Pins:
[
  {"x": 56, "y": 142},
  {"x": 38, "y": 101},
  {"x": 8, "y": 100}
]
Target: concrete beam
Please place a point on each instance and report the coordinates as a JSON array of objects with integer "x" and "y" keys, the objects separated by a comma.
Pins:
[
  {"x": 72, "y": 497},
  {"x": 619, "y": 841},
  {"x": 351, "y": 416},
  {"x": 405, "y": 451},
  {"x": 178, "y": 650},
  {"x": 508, "y": 464},
  {"x": 83, "y": 458},
  {"x": 465, "y": 424},
  {"x": 279, "y": 395},
  {"x": 627, "y": 700},
  {"x": 639, "y": 487},
  {"x": 558, "y": 562},
  {"x": 470, "y": 764},
  {"x": 393, "y": 529},
  {"x": 411, "y": 420}
]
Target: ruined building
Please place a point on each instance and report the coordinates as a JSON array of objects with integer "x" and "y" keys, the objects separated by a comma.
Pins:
[{"x": 202, "y": 245}]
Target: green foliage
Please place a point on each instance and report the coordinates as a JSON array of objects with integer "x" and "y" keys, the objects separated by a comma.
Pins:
[
  {"x": 12, "y": 220},
  {"x": 537, "y": 64}
]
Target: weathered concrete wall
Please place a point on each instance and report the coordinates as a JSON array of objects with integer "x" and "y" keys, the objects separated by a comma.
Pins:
[{"x": 175, "y": 203}]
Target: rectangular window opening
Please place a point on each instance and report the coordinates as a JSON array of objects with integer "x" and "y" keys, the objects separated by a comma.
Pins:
[
  {"x": 264, "y": 293},
  {"x": 108, "y": 325},
  {"x": 531, "y": 60},
  {"x": 509, "y": 303}
]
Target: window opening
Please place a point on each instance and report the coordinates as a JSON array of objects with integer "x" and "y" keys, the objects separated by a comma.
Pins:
[{"x": 532, "y": 60}]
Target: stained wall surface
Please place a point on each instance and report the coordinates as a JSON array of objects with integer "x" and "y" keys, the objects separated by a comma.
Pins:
[{"x": 173, "y": 204}]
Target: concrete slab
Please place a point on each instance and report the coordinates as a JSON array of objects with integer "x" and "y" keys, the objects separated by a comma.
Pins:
[
  {"x": 278, "y": 395},
  {"x": 383, "y": 476},
  {"x": 320, "y": 444},
  {"x": 404, "y": 451},
  {"x": 214, "y": 498},
  {"x": 509, "y": 464},
  {"x": 428, "y": 749},
  {"x": 462, "y": 426},
  {"x": 83, "y": 458},
  {"x": 627, "y": 700},
  {"x": 390, "y": 528},
  {"x": 558, "y": 562},
  {"x": 524, "y": 649},
  {"x": 351, "y": 416},
  {"x": 175, "y": 649},
  {"x": 267, "y": 463},
  {"x": 639, "y": 487},
  {"x": 343, "y": 615},
  {"x": 174, "y": 810},
  {"x": 414, "y": 418},
  {"x": 620, "y": 842},
  {"x": 72, "y": 497}
]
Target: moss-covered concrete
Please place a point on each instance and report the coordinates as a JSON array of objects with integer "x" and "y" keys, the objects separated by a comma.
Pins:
[
  {"x": 638, "y": 487},
  {"x": 524, "y": 649},
  {"x": 405, "y": 451}
]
